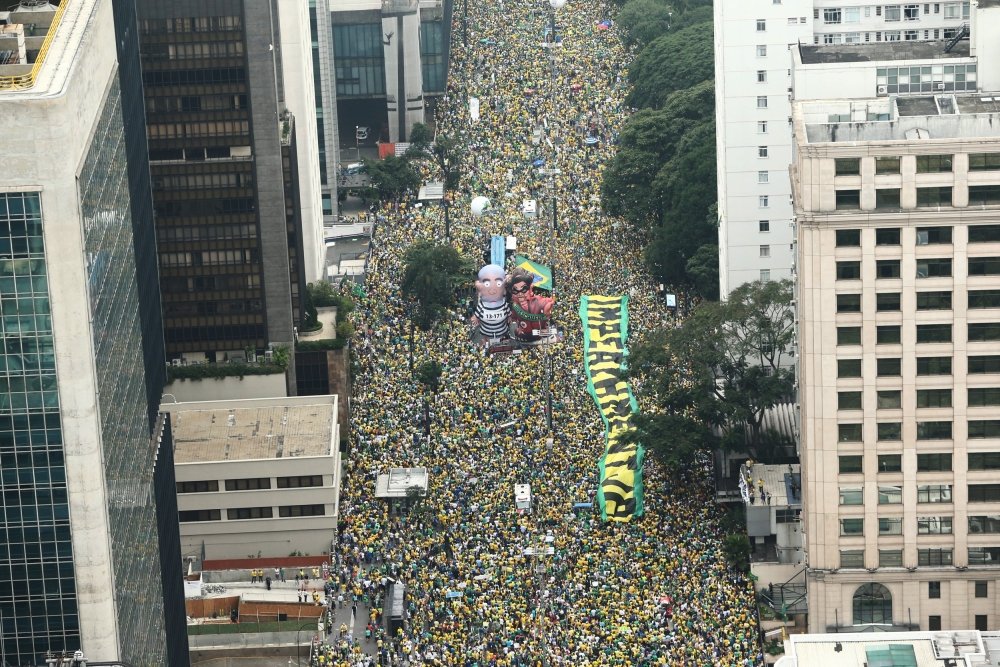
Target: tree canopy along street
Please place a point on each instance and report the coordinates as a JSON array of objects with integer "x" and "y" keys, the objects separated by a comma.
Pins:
[{"x": 541, "y": 579}]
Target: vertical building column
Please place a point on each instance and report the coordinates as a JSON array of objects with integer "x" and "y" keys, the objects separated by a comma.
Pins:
[
  {"x": 908, "y": 191},
  {"x": 327, "y": 101},
  {"x": 960, "y": 190},
  {"x": 404, "y": 86}
]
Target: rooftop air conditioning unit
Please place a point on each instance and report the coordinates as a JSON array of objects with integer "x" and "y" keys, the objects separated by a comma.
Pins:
[{"x": 883, "y": 90}]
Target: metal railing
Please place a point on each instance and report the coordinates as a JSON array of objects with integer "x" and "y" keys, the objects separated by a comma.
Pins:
[{"x": 25, "y": 81}]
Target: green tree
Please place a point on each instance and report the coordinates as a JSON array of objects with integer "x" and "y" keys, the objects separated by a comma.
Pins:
[
  {"x": 702, "y": 270},
  {"x": 736, "y": 549},
  {"x": 721, "y": 369},
  {"x": 642, "y": 21},
  {"x": 671, "y": 62},
  {"x": 392, "y": 177},
  {"x": 428, "y": 374},
  {"x": 431, "y": 274},
  {"x": 443, "y": 151}
]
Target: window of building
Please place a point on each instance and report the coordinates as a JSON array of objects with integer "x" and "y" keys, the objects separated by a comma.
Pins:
[
  {"x": 763, "y": 226},
  {"x": 934, "y": 525},
  {"x": 934, "y": 462},
  {"x": 852, "y": 558},
  {"x": 890, "y": 495},
  {"x": 762, "y": 127},
  {"x": 849, "y": 400},
  {"x": 934, "y": 267},
  {"x": 887, "y": 268},
  {"x": 984, "y": 233},
  {"x": 934, "y": 557},
  {"x": 984, "y": 460},
  {"x": 761, "y": 51},
  {"x": 888, "y": 236},
  {"x": 984, "y": 524},
  {"x": 927, "y": 164},
  {"x": 984, "y": 195},
  {"x": 934, "y": 398},
  {"x": 985, "y": 298},
  {"x": 980, "y": 331},
  {"x": 934, "y": 592},
  {"x": 761, "y": 25},
  {"x": 892, "y": 13},
  {"x": 933, "y": 235},
  {"x": 980, "y": 364},
  {"x": 852, "y": 495},
  {"x": 934, "y": 430},
  {"x": 887, "y": 198},
  {"x": 887, "y": 301},
  {"x": 300, "y": 481},
  {"x": 248, "y": 484},
  {"x": 934, "y": 493},
  {"x": 848, "y": 200},
  {"x": 762, "y": 201},
  {"x": 984, "y": 161},
  {"x": 788, "y": 515},
  {"x": 983, "y": 396},
  {"x": 934, "y": 620},
  {"x": 832, "y": 16},
  {"x": 762, "y": 177},
  {"x": 981, "y": 622},
  {"x": 890, "y": 558},
  {"x": 984, "y": 266},
  {"x": 190, "y": 516},
  {"x": 934, "y": 300},
  {"x": 887, "y": 165},
  {"x": 852, "y": 527},
  {"x": 888, "y": 367},
  {"x": 933, "y": 197},
  {"x": 984, "y": 555},
  {"x": 200, "y": 486},
  {"x": 765, "y": 251},
  {"x": 933, "y": 365},
  {"x": 848, "y": 368},
  {"x": 301, "y": 510},
  {"x": 984, "y": 493},
  {"x": 953, "y": 10},
  {"x": 239, "y": 513},
  {"x": 847, "y": 166},
  {"x": 911, "y": 12},
  {"x": 933, "y": 333},
  {"x": 850, "y": 270},
  {"x": 911, "y": 35},
  {"x": 848, "y": 303},
  {"x": 852, "y": 237},
  {"x": 889, "y": 431},
  {"x": 984, "y": 428},
  {"x": 888, "y": 334},
  {"x": 762, "y": 101},
  {"x": 872, "y": 604},
  {"x": 848, "y": 335},
  {"x": 890, "y": 399},
  {"x": 980, "y": 587},
  {"x": 849, "y": 464},
  {"x": 849, "y": 432},
  {"x": 765, "y": 275},
  {"x": 890, "y": 463},
  {"x": 892, "y": 35}
]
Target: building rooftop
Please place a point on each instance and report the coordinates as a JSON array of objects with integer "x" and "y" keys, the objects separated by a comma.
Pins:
[
  {"x": 782, "y": 483},
  {"x": 966, "y": 648},
  {"x": 398, "y": 481},
  {"x": 264, "y": 432},
  {"x": 880, "y": 51},
  {"x": 898, "y": 118}
]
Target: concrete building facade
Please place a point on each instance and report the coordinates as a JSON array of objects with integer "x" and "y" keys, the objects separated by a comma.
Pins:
[
  {"x": 753, "y": 42},
  {"x": 898, "y": 305},
  {"x": 257, "y": 476}
]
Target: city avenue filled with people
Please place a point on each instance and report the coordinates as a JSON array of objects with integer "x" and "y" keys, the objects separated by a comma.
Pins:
[{"x": 654, "y": 591}]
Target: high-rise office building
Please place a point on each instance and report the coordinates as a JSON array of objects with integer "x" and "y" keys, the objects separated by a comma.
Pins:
[
  {"x": 753, "y": 112},
  {"x": 230, "y": 248},
  {"x": 897, "y": 205},
  {"x": 82, "y": 555}
]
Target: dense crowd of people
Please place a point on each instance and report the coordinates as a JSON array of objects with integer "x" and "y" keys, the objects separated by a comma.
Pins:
[{"x": 655, "y": 591}]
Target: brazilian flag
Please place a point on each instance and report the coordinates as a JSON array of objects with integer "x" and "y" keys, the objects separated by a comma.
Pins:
[{"x": 543, "y": 274}]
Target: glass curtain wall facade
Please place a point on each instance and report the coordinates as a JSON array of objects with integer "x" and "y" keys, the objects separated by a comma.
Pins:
[
  {"x": 38, "y": 597},
  {"x": 204, "y": 181},
  {"x": 360, "y": 60},
  {"x": 129, "y": 456},
  {"x": 434, "y": 56}
]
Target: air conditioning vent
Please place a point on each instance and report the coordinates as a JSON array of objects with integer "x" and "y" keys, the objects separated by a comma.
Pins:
[{"x": 883, "y": 90}]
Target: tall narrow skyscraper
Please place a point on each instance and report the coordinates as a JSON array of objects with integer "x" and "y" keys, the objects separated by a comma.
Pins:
[{"x": 81, "y": 356}]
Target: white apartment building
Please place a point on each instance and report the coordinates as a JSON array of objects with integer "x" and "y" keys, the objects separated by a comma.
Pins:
[
  {"x": 753, "y": 135},
  {"x": 898, "y": 308}
]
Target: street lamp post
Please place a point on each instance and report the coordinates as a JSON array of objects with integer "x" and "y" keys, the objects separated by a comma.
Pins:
[
  {"x": 298, "y": 642},
  {"x": 465, "y": 23}
]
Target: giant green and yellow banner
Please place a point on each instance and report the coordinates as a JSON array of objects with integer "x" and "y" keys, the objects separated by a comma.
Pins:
[{"x": 605, "y": 330}]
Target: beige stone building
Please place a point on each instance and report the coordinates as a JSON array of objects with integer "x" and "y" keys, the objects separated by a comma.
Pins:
[
  {"x": 256, "y": 476},
  {"x": 897, "y": 205}
]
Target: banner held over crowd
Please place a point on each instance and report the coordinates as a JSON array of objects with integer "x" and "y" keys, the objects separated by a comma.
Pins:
[{"x": 605, "y": 330}]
